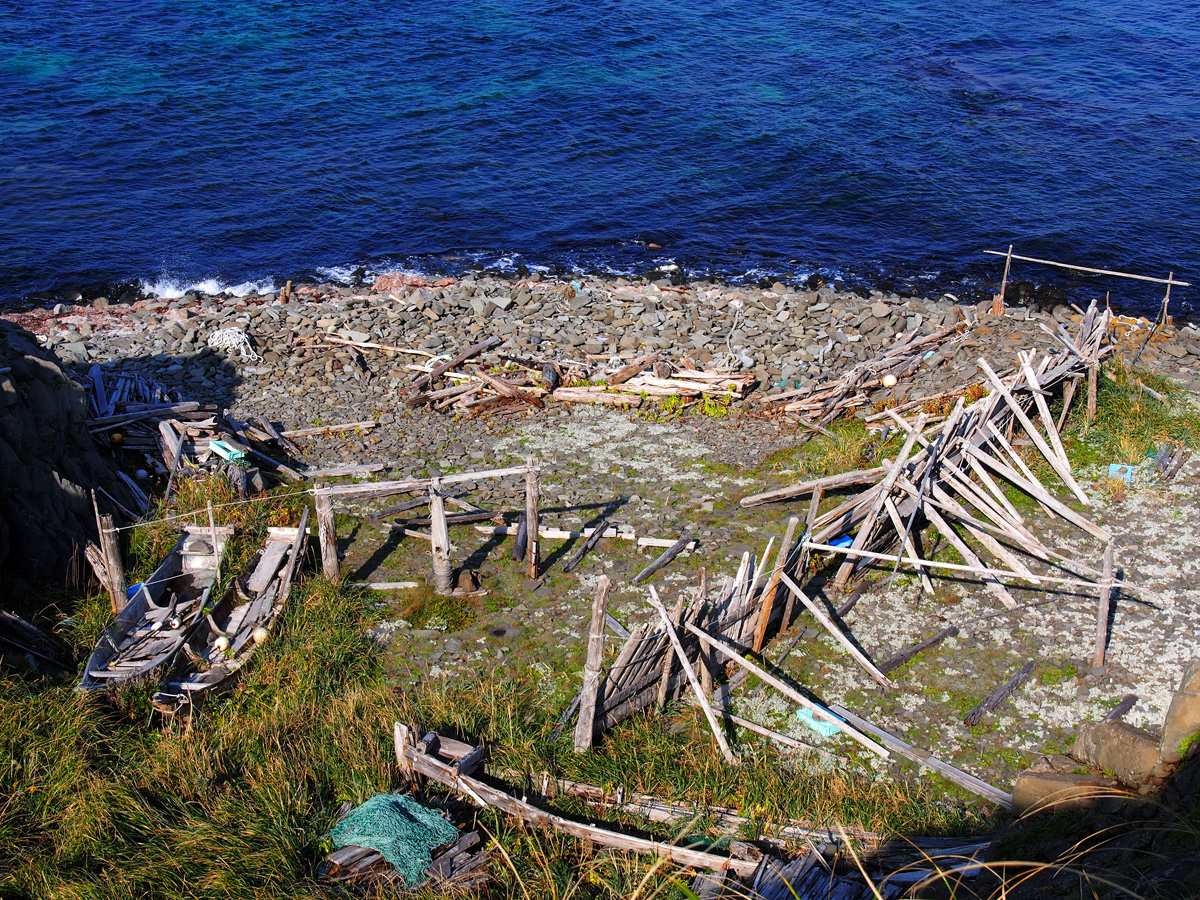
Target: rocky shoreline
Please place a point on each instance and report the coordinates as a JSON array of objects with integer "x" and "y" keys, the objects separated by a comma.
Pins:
[
  {"x": 666, "y": 473},
  {"x": 788, "y": 338}
]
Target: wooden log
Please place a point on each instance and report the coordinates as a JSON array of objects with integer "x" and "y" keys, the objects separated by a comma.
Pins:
[
  {"x": 584, "y": 725},
  {"x": 485, "y": 795},
  {"x": 440, "y": 547},
  {"x": 502, "y": 387},
  {"x": 816, "y": 709},
  {"x": 1103, "y": 607},
  {"x": 999, "y": 695},
  {"x": 636, "y": 367},
  {"x": 556, "y": 534},
  {"x": 691, "y": 675},
  {"x": 801, "y": 569},
  {"x": 904, "y": 656},
  {"x": 1118, "y": 712},
  {"x": 531, "y": 517},
  {"x": 828, "y": 483},
  {"x": 440, "y": 369},
  {"x": 172, "y": 444},
  {"x": 585, "y": 548},
  {"x": 838, "y": 635},
  {"x": 768, "y": 604},
  {"x": 664, "y": 558},
  {"x": 928, "y": 760},
  {"x": 110, "y": 548},
  {"x": 326, "y": 531},
  {"x": 906, "y": 545}
]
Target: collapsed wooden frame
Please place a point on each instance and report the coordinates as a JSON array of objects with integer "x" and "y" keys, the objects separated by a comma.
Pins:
[{"x": 324, "y": 496}]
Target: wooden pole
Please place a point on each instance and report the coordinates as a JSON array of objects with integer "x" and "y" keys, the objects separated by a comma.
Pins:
[
  {"x": 687, "y": 668},
  {"x": 326, "y": 531},
  {"x": 764, "y": 616},
  {"x": 1050, "y": 262},
  {"x": 531, "y": 516},
  {"x": 585, "y": 724},
  {"x": 111, "y": 548},
  {"x": 998, "y": 299},
  {"x": 802, "y": 566},
  {"x": 440, "y": 547},
  {"x": 1102, "y": 608}
]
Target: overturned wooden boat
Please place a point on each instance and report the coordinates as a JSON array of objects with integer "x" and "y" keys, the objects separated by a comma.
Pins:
[
  {"x": 220, "y": 643},
  {"x": 149, "y": 631}
]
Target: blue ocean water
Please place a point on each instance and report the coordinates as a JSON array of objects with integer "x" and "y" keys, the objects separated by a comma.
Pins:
[{"x": 884, "y": 142}]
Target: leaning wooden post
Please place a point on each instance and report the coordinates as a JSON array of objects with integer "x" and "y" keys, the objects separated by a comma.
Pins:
[
  {"x": 440, "y": 546},
  {"x": 1103, "y": 606},
  {"x": 998, "y": 299},
  {"x": 586, "y": 723},
  {"x": 691, "y": 675},
  {"x": 768, "y": 603},
  {"x": 326, "y": 531},
  {"x": 111, "y": 548},
  {"x": 531, "y": 516}
]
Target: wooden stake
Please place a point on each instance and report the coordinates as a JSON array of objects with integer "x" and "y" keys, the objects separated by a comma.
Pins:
[
  {"x": 111, "y": 548},
  {"x": 531, "y": 516},
  {"x": 585, "y": 724},
  {"x": 1102, "y": 608},
  {"x": 440, "y": 548},
  {"x": 764, "y": 615},
  {"x": 691, "y": 675},
  {"x": 212, "y": 531},
  {"x": 326, "y": 531},
  {"x": 1068, "y": 396},
  {"x": 802, "y": 566},
  {"x": 998, "y": 299}
]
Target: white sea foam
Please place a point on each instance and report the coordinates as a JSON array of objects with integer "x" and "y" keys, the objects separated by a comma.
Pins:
[{"x": 168, "y": 287}]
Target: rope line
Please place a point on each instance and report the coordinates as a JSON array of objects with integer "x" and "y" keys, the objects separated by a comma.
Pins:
[{"x": 196, "y": 512}]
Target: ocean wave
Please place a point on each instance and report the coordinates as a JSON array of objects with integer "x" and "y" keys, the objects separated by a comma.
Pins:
[{"x": 169, "y": 287}]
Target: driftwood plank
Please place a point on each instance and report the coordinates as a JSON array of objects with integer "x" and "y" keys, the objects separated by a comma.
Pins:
[
  {"x": 828, "y": 483},
  {"x": 827, "y": 624},
  {"x": 664, "y": 558},
  {"x": 924, "y": 758},
  {"x": 999, "y": 695},
  {"x": 904, "y": 656},
  {"x": 440, "y": 369},
  {"x": 485, "y": 795}
]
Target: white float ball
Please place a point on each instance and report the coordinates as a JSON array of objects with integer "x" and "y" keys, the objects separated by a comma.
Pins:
[
  {"x": 889, "y": 380},
  {"x": 260, "y": 635},
  {"x": 221, "y": 644}
]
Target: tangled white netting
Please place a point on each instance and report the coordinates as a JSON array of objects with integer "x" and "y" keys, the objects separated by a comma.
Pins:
[{"x": 233, "y": 340}]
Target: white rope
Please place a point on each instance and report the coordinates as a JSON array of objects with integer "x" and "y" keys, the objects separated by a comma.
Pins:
[{"x": 231, "y": 340}]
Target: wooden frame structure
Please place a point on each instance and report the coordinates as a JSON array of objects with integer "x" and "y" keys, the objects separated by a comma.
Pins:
[{"x": 325, "y": 495}]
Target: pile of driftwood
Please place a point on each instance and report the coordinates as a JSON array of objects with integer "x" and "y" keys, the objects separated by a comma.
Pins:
[
  {"x": 131, "y": 413},
  {"x": 819, "y": 404},
  {"x": 949, "y": 477},
  {"x": 525, "y": 383}
]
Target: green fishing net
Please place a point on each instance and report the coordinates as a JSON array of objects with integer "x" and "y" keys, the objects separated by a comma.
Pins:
[{"x": 401, "y": 829}]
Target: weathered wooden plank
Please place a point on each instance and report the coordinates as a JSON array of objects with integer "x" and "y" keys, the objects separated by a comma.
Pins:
[
  {"x": 827, "y": 483},
  {"x": 584, "y": 725}
]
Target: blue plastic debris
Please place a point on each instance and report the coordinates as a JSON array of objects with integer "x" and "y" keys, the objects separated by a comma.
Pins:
[
  {"x": 824, "y": 729},
  {"x": 225, "y": 451},
  {"x": 1122, "y": 471},
  {"x": 133, "y": 589},
  {"x": 844, "y": 541}
]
